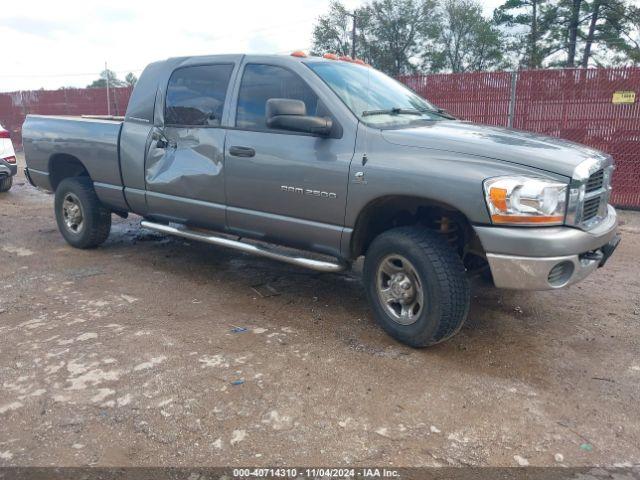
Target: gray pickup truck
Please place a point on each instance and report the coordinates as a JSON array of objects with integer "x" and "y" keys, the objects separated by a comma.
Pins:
[{"x": 333, "y": 158}]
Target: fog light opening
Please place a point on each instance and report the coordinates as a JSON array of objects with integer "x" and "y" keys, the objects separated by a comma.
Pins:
[{"x": 560, "y": 274}]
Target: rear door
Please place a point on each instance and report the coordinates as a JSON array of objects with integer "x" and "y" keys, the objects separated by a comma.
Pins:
[
  {"x": 184, "y": 167},
  {"x": 283, "y": 186}
]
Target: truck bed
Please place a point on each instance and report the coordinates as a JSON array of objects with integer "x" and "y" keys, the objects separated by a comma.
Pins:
[{"x": 92, "y": 141}]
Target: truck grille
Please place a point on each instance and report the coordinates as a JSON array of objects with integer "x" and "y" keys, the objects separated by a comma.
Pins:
[
  {"x": 595, "y": 181},
  {"x": 589, "y": 193},
  {"x": 597, "y": 191},
  {"x": 591, "y": 208}
]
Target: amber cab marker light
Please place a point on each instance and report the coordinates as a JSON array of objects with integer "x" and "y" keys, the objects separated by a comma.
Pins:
[
  {"x": 299, "y": 54},
  {"x": 346, "y": 58},
  {"x": 330, "y": 56},
  {"x": 359, "y": 62},
  {"x": 499, "y": 198}
]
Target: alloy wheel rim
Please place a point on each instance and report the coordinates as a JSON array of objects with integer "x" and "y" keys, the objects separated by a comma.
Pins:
[
  {"x": 72, "y": 213},
  {"x": 400, "y": 289}
]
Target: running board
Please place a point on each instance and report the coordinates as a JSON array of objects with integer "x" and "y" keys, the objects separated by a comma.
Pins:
[{"x": 184, "y": 232}]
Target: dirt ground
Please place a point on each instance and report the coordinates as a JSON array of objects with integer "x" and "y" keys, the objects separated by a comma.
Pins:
[{"x": 136, "y": 353}]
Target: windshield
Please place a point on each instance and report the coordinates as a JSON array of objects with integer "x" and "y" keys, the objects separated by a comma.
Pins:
[{"x": 373, "y": 97}]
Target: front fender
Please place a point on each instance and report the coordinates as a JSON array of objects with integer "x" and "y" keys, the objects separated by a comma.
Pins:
[{"x": 449, "y": 178}]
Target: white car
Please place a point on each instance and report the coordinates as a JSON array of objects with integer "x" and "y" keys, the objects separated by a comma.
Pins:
[{"x": 8, "y": 164}]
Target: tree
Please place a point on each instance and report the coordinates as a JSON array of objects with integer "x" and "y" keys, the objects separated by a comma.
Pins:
[
  {"x": 388, "y": 33},
  {"x": 130, "y": 79},
  {"x": 591, "y": 30},
  {"x": 595, "y": 13},
  {"x": 102, "y": 81},
  {"x": 463, "y": 40},
  {"x": 395, "y": 32},
  {"x": 399, "y": 36},
  {"x": 611, "y": 23},
  {"x": 533, "y": 18},
  {"x": 631, "y": 35},
  {"x": 574, "y": 25},
  {"x": 332, "y": 32}
]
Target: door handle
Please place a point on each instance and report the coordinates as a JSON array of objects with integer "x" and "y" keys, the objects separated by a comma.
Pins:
[{"x": 242, "y": 151}]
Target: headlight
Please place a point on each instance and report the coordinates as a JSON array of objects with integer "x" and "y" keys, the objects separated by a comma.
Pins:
[{"x": 525, "y": 200}]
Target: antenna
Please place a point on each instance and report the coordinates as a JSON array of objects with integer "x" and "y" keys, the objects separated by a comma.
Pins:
[
  {"x": 365, "y": 158},
  {"x": 106, "y": 72}
]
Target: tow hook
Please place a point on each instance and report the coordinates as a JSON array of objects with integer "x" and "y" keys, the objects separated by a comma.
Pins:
[
  {"x": 608, "y": 249},
  {"x": 593, "y": 255},
  {"x": 603, "y": 253}
]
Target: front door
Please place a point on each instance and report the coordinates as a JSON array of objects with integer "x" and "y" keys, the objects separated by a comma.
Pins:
[
  {"x": 282, "y": 186},
  {"x": 184, "y": 168}
]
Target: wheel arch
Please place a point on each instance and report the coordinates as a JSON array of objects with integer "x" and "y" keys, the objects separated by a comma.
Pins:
[
  {"x": 64, "y": 165},
  {"x": 387, "y": 212}
]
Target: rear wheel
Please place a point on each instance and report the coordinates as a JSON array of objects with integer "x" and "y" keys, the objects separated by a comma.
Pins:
[
  {"x": 82, "y": 219},
  {"x": 417, "y": 286},
  {"x": 5, "y": 184}
]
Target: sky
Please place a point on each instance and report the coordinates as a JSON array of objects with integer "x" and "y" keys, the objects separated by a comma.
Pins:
[{"x": 51, "y": 44}]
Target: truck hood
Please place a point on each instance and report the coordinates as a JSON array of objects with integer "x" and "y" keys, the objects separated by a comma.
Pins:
[{"x": 514, "y": 146}]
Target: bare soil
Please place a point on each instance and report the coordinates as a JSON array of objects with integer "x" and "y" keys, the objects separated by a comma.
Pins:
[{"x": 154, "y": 351}]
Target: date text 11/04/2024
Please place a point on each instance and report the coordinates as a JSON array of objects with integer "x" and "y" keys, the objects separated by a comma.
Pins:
[{"x": 315, "y": 473}]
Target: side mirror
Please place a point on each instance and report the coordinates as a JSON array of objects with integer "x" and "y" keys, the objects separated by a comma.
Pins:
[{"x": 288, "y": 114}]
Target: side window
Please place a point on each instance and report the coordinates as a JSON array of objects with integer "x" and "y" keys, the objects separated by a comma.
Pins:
[
  {"x": 262, "y": 82},
  {"x": 195, "y": 95}
]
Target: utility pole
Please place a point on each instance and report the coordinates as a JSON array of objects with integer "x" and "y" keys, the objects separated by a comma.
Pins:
[
  {"x": 353, "y": 37},
  {"x": 353, "y": 34},
  {"x": 106, "y": 70}
]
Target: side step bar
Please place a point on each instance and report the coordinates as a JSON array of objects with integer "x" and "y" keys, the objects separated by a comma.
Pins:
[{"x": 184, "y": 232}]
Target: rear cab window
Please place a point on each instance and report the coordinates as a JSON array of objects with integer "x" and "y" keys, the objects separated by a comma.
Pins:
[{"x": 196, "y": 95}]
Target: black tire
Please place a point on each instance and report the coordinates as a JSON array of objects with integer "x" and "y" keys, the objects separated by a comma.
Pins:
[
  {"x": 439, "y": 275},
  {"x": 95, "y": 217},
  {"x": 5, "y": 184}
]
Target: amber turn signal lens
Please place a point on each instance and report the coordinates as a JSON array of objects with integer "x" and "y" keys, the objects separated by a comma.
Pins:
[
  {"x": 298, "y": 53},
  {"x": 499, "y": 198}
]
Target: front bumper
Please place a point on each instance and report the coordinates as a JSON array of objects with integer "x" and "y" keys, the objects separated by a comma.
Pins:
[{"x": 517, "y": 257}]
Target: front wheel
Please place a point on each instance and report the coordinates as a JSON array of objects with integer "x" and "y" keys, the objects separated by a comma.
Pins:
[
  {"x": 416, "y": 285},
  {"x": 6, "y": 183},
  {"x": 82, "y": 219}
]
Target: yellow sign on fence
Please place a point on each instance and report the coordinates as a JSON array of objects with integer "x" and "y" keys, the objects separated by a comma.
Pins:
[{"x": 624, "y": 97}]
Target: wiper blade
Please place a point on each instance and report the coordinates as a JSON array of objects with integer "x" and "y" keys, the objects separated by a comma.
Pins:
[
  {"x": 392, "y": 111},
  {"x": 442, "y": 112}
]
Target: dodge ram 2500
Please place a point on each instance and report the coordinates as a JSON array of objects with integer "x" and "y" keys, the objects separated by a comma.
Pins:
[{"x": 336, "y": 159}]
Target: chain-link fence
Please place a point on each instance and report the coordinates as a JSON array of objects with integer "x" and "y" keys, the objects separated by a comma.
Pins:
[
  {"x": 586, "y": 106},
  {"x": 15, "y": 106}
]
